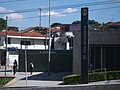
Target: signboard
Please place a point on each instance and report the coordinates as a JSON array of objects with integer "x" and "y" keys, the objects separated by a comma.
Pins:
[
  {"x": 12, "y": 49},
  {"x": 84, "y": 45},
  {"x": 25, "y": 43}
]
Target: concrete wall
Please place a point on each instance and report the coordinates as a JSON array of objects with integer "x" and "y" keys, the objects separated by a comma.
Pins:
[
  {"x": 104, "y": 36},
  {"x": 96, "y": 37},
  {"x": 72, "y": 87},
  {"x": 76, "y": 53},
  {"x": 60, "y": 61}
]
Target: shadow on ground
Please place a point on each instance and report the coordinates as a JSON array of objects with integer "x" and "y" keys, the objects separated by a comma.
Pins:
[{"x": 52, "y": 77}]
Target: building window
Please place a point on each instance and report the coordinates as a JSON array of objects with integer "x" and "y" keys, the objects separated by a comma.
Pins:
[
  {"x": 9, "y": 40},
  {"x": 46, "y": 42},
  {"x": 32, "y": 42}
]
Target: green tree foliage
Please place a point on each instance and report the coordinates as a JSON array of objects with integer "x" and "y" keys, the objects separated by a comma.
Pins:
[
  {"x": 13, "y": 28},
  {"x": 104, "y": 26},
  {"x": 76, "y": 22},
  {"x": 3, "y": 24},
  {"x": 40, "y": 30},
  {"x": 91, "y": 22},
  {"x": 95, "y": 23},
  {"x": 55, "y": 24}
]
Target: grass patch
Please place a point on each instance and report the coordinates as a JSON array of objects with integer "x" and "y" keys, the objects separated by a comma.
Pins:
[{"x": 4, "y": 80}]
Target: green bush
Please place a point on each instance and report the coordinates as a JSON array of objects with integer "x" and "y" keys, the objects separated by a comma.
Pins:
[
  {"x": 72, "y": 79},
  {"x": 93, "y": 77},
  {"x": 113, "y": 75},
  {"x": 97, "y": 76}
]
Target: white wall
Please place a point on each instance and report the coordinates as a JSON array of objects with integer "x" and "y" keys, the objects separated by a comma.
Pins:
[
  {"x": 35, "y": 43},
  {"x": 2, "y": 39}
]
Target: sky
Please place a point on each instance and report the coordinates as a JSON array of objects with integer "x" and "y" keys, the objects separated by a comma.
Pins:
[{"x": 26, "y": 13}]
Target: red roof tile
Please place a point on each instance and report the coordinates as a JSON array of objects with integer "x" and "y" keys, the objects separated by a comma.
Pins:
[
  {"x": 114, "y": 23},
  {"x": 33, "y": 34},
  {"x": 14, "y": 33}
]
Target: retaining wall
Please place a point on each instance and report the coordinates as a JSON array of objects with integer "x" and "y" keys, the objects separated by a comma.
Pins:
[{"x": 72, "y": 87}]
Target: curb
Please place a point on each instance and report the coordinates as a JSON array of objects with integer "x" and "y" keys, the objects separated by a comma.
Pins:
[{"x": 11, "y": 82}]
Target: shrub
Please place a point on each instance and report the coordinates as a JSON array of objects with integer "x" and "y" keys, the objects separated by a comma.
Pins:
[
  {"x": 93, "y": 77},
  {"x": 113, "y": 75},
  {"x": 97, "y": 76},
  {"x": 72, "y": 79}
]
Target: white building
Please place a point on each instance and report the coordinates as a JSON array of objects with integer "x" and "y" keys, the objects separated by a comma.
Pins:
[
  {"x": 61, "y": 41},
  {"x": 63, "y": 37},
  {"x": 38, "y": 41}
]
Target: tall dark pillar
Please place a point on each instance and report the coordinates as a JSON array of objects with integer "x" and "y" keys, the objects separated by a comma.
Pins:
[{"x": 84, "y": 45}]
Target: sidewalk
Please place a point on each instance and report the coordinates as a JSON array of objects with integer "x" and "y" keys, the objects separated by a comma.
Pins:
[
  {"x": 36, "y": 79},
  {"x": 42, "y": 79}
]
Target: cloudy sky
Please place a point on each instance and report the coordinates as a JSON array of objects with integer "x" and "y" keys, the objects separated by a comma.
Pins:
[{"x": 26, "y": 13}]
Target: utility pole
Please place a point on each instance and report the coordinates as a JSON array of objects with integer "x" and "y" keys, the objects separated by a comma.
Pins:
[
  {"x": 26, "y": 64},
  {"x": 6, "y": 40},
  {"x": 40, "y": 18},
  {"x": 49, "y": 57},
  {"x": 26, "y": 43}
]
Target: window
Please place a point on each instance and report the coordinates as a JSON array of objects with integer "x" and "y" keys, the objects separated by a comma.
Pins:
[
  {"x": 9, "y": 40},
  {"x": 32, "y": 42},
  {"x": 46, "y": 42}
]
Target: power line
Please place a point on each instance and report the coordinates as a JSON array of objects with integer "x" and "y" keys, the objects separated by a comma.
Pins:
[
  {"x": 22, "y": 1},
  {"x": 12, "y": 1},
  {"x": 68, "y": 13},
  {"x": 65, "y": 6}
]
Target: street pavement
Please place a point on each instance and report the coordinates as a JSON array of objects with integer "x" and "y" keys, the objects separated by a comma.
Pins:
[{"x": 42, "y": 79}]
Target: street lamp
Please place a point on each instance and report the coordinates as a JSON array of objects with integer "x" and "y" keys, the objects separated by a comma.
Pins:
[{"x": 49, "y": 43}]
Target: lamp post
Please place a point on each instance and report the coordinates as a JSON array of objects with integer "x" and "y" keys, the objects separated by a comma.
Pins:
[
  {"x": 26, "y": 64},
  {"x": 49, "y": 56},
  {"x": 26, "y": 43}
]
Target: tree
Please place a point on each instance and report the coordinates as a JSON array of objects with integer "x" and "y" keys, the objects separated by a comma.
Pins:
[
  {"x": 76, "y": 22},
  {"x": 91, "y": 22},
  {"x": 40, "y": 30},
  {"x": 104, "y": 26},
  {"x": 55, "y": 24},
  {"x": 95, "y": 23},
  {"x": 13, "y": 28},
  {"x": 3, "y": 24}
]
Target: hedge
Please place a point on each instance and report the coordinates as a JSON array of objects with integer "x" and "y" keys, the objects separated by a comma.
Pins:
[
  {"x": 97, "y": 76},
  {"x": 113, "y": 75},
  {"x": 72, "y": 79},
  {"x": 93, "y": 77}
]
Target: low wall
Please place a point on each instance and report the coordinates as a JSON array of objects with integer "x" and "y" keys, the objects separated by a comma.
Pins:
[{"x": 72, "y": 87}]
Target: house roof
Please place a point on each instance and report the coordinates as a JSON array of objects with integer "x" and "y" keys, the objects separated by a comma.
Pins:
[
  {"x": 55, "y": 29},
  {"x": 114, "y": 23},
  {"x": 31, "y": 29},
  {"x": 26, "y": 30},
  {"x": 29, "y": 32},
  {"x": 33, "y": 34},
  {"x": 14, "y": 33}
]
